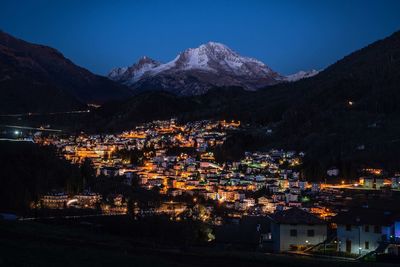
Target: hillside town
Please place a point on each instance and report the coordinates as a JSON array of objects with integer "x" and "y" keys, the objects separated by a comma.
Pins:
[
  {"x": 200, "y": 133},
  {"x": 263, "y": 194}
]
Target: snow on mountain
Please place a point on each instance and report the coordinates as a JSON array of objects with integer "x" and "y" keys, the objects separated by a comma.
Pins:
[
  {"x": 196, "y": 70},
  {"x": 117, "y": 72},
  {"x": 301, "y": 75},
  {"x": 216, "y": 57},
  {"x": 133, "y": 73}
]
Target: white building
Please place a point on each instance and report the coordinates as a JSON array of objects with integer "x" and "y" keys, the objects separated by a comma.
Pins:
[
  {"x": 360, "y": 231},
  {"x": 296, "y": 229},
  {"x": 368, "y": 182},
  {"x": 333, "y": 171},
  {"x": 291, "y": 197},
  {"x": 315, "y": 187},
  {"x": 395, "y": 182},
  {"x": 379, "y": 183},
  {"x": 303, "y": 185}
]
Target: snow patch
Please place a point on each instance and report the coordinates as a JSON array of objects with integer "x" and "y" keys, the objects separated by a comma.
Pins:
[{"x": 300, "y": 75}]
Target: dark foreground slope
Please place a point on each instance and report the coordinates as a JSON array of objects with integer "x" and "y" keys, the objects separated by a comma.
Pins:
[
  {"x": 29, "y": 171},
  {"x": 39, "y": 78},
  {"x": 86, "y": 244}
]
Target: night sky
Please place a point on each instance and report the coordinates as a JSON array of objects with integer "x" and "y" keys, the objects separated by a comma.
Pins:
[{"x": 286, "y": 35}]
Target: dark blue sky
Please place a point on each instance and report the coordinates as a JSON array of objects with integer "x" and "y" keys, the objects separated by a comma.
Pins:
[{"x": 286, "y": 35}]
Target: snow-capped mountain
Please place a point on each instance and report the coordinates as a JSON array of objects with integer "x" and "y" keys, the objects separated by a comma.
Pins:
[
  {"x": 301, "y": 75},
  {"x": 196, "y": 70}
]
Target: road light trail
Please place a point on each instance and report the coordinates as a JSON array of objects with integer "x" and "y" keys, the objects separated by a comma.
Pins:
[
  {"x": 16, "y": 140},
  {"x": 43, "y": 114},
  {"x": 31, "y": 128}
]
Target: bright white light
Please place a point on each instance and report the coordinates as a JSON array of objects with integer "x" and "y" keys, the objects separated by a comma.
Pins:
[{"x": 16, "y": 132}]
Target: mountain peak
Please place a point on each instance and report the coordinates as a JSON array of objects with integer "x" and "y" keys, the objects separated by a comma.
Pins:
[
  {"x": 134, "y": 72},
  {"x": 215, "y": 48},
  {"x": 196, "y": 70},
  {"x": 217, "y": 57},
  {"x": 146, "y": 60},
  {"x": 212, "y": 43},
  {"x": 215, "y": 45}
]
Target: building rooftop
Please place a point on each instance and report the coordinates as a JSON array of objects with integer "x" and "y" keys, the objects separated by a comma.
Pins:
[
  {"x": 295, "y": 216},
  {"x": 366, "y": 216}
]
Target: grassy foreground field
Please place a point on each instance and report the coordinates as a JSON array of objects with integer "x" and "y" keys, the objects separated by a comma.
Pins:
[{"x": 39, "y": 244}]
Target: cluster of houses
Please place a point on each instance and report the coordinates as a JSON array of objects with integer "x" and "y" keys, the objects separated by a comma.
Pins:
[
  {"x": 357, "y": 233},
  {"x": 264, "y": 193}
]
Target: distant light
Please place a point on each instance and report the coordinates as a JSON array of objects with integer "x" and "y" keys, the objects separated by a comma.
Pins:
[
  {"x": 351, "y": 103},
  {"x": 16, "y": 132}
]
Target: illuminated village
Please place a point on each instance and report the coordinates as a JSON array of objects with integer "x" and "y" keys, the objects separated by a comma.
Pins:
[
  {"x": 200, "y": 133},
  {"x": 177, "y": 162}
]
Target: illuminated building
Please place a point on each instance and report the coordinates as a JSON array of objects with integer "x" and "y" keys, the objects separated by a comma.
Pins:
[{"x": 54, "y": 200}]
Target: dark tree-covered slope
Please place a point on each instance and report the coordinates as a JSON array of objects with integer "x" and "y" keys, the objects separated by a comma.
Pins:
[
  {"x": 39, "y": 78},
  {"x": 29, "y": 171}
]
